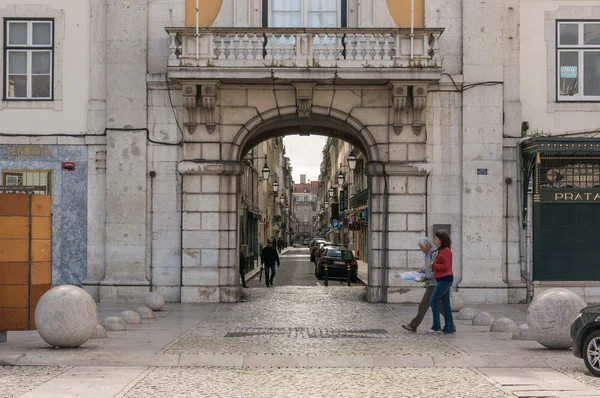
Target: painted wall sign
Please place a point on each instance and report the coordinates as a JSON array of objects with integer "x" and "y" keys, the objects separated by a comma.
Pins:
[
  {"x": 580, "y": 196},
  {"x": 23, "y": 152}
]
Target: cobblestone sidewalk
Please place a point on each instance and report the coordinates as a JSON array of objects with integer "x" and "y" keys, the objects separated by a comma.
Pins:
[{"x": 310, "y": 321}]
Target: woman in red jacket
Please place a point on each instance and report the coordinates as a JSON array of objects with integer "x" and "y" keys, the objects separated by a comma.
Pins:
[{"x": 442, "y": 272}]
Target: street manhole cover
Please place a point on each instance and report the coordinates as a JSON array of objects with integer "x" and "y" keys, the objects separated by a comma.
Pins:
[{"x": 310, "y": 333}]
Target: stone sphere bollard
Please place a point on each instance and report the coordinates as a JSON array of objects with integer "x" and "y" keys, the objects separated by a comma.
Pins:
[
  {"x": 114, "y": 324},
  {"x": 100, "y": 332},
  {"x": 66, "y": 316},
  {"x": 457, "y": 302},
  {"x": 503, "y": 325},
  {"x": 483, "y": 319},
  {"x": 466, "y": 314},
  {"x": 130, "y": 317},
  {"x": 145, "y": 312},
  {"x": 154, "y": 301},
  {"x": 550, "y": 315},
  {"x": 522, "y": 333}
]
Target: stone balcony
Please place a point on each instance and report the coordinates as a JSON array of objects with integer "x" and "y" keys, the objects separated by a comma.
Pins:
[{"x": 345, "y": 53}]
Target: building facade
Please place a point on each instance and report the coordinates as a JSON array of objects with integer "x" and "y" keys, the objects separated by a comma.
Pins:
[
  {"x": 306, "y": 209},
  {"x": 138, "y": 119}
]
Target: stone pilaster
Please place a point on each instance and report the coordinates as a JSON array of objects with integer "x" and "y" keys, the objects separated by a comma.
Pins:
[
  {"x": 210, "y": 255},
  {"x": 482, "y": 191},
  {"x": 126, "y": 154}
]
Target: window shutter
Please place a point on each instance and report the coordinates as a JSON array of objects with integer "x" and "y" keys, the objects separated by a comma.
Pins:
[{"x": 344, "y": 12}]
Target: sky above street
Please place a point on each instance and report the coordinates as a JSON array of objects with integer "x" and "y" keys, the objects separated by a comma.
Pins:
[{"x": 305, "y": 155}]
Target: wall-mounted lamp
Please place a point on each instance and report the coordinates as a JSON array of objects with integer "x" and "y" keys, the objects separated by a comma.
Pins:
[
  {"x": 340, "y": 178},
  {"x": 275, "y": 186},
  {"x": 282, "y": 199},
  {"x": 331, "y": 192},
  {"x": 352, "y": 160}
]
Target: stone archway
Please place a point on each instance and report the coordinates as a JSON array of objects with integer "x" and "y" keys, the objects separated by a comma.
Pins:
[{"x": 233, "y": 119}]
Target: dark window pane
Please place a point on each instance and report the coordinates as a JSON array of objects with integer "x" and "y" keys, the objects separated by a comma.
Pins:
[
  {"x": 17, "y": 86},
  {"x": 569, "y": 34},
  {"x": 40, "y": 86},
  {"x": 17, "y": 33},
  {"x": 17, "y": 62},
  {"x": 40, "y": 63},
  {"x": 591, "y": 73},
  {"x": 591, "y": 33},
  {"x": 42, "y": 34},
  {"x": 569, "y": 71}
]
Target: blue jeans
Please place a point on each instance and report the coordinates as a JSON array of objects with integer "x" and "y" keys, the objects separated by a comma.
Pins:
[{"x": 442, "y": 292}]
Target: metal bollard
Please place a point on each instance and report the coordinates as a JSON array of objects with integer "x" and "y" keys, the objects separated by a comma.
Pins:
[
  {"x": 349, "y": 274},
  {"x": 326, "y": 275}
]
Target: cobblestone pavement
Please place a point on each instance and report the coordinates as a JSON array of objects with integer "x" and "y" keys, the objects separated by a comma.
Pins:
[
  {"x": 307, "y": 321},
  {"x": 17, "y": 380},
  {"x": 324, "y": 382}
]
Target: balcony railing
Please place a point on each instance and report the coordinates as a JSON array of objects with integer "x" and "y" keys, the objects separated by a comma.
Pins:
[
  {"x": 303, "y": 47},
  {"x": 360, "y": 199}
]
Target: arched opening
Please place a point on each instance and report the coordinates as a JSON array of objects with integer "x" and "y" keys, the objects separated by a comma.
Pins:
[{"x": 337, "y": 211}]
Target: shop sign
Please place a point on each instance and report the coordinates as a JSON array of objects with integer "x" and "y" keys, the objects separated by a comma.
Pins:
[
  {"x": 571, "y": 196},
  {"x": 27, "y": 152}
]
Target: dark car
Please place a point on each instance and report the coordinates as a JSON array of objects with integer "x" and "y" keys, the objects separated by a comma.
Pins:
[
  {"x": 337, "y": 261},
  {"x": 316, "y": 246},
  {"x": 319, "y": 249},
  {"x": 314, "y": 241},
  {"x": 585, "y": 333}
]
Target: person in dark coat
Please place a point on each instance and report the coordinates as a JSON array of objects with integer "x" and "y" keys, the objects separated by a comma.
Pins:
[
  {"x": 243, "y": 266},
  {"x": 269, "y": 258}
]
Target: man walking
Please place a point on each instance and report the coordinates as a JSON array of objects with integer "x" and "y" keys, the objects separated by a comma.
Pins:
[
  {"x": 269, "y": 257},
  {"x": 430, "y": 283}
]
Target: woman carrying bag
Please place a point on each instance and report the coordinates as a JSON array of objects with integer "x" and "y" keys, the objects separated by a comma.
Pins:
[{"x": 442, "y": 272}]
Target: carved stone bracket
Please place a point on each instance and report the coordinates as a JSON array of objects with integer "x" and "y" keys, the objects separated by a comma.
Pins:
[
  {"x": 304, "y": 95},
  {"x": 419, "y": 101},
  {"x": 209, "y": 104},
  {"x": 190, "y": 94},
  {"x": 400, "y": 97}
]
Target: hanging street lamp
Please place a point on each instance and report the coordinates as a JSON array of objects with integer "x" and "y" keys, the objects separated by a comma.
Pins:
[
  {"x": 340, "y": 179},
  {"x": 352, "y": 160}
]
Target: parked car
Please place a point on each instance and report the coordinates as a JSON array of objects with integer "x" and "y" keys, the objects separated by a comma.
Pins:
[
  {"x": 337, "y": 261},
  {"x": 315, "y": 247},
  {"x": 585, "y": 334},
  {"x": 314, "y": 241},
  {"x": 306, "y": 241},
  {"x": 322, "y": 248}
]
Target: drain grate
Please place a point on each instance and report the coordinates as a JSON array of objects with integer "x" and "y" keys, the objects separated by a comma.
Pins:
[{"x": 310, "y": 333}]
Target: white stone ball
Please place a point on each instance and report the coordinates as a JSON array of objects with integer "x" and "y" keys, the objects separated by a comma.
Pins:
[
  {"x": 66, "y": 316},
  {"x": 457, "y": 302},
  {"x": 154, "y": 301},
  {"x": 99, "y": 333},
  {"x": 145, "y": 312},
  {"x": 130, "y": 317},
  {"x": 483, "y": 319},
  {"x": 466, "y": 314},
  {"x": 522, "y": 333},
  {"x": 114, "y": 324},
  {"x": 503, "y": 325},
  {"x": 550, "y": 316}
]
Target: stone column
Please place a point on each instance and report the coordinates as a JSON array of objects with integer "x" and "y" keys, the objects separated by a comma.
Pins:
[
  {"x": 482, "y": 191},
  {"x": 126, "y": 155},
  {"x": 210, "y": 220},
  {"x": 376, "y": 290},
  {"x": 96, "y": 228}
]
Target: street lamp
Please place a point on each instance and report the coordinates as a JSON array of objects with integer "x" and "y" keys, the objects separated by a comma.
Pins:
[
  {"x": 330, "y": 192},
  {"x": 275, "y": 186},
  {"x": 282, "y": 199},
  {"x": 265, "y": 170},
  {"x": 352, "y": 160},
  {"x": 340, "y": 178}
]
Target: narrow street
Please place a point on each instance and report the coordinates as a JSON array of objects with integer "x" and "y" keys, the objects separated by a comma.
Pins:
[{"x": 296, "y": 270}]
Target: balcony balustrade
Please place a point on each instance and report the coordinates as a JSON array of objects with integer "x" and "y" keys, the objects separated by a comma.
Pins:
[{"x": 304, "y": 47}]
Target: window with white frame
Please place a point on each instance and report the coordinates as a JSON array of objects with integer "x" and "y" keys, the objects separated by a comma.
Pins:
[
  {"x": 578, "y": 61},
  {"x": 28, "y": 59},
  {"x": 305, "y": 13}
]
